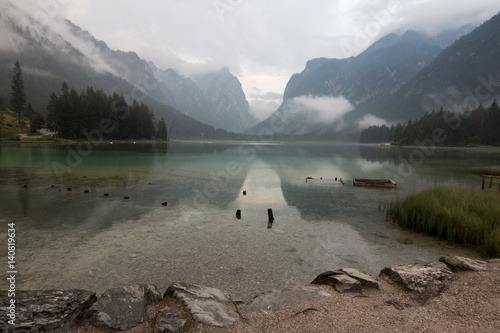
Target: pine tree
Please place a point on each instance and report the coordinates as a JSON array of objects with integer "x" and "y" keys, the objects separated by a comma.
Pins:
[
  {"x": 161, "y": 132},
  {"x": 18, "y": 94}
]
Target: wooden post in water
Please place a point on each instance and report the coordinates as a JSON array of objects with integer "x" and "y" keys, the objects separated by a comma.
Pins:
[
  {"x": 270, "y": 215},
  {"x": 482, "y": 186},
  {"x": 271, "y": 218}
]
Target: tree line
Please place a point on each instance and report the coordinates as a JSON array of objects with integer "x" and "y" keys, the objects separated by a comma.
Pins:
[
  {"x": 72, "y": 114},
  {"x": 477, "y": 127}
]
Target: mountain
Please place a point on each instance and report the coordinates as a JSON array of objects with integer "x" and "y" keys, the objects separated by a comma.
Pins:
[
  {"x": 215, "y": 98},
  {"x": 463, "y": 76},
  {"x": 326, "y": 95},
  {"x": 61, "y": 51},
  {"x": 224, "y": 93}
]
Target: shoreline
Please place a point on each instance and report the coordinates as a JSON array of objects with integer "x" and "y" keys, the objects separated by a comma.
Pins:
[{"x": 467, "y": 300}]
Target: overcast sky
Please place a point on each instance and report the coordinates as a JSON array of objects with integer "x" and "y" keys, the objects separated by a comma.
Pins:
[{"x": 263, "y": 42}]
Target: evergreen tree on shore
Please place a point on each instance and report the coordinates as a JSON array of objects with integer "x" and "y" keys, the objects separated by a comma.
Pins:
[
  {"x": 72, "y": 115},
  {"x": 18, "y": 94},
  {"x": 161, "y": 132},
  {"x": 479, "y": 126}
]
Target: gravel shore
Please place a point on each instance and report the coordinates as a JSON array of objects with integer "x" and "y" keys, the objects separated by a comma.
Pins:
[{"x": 469, "y": 303}]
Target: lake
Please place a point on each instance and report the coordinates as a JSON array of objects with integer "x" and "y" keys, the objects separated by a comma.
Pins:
[{"x": 107, "y": 215}]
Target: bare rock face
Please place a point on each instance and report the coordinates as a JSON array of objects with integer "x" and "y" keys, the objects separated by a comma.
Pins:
[
  {"x": 466, "y": 264},
  {"x": 44, "y": 310},
  {"x": 419, "y": 277},
  {"x": 123, "y": 308},
  {"x": 207, "y": 305}
]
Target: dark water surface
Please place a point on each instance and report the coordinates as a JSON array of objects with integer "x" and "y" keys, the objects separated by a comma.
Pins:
[{"x": 72, "y": 239}]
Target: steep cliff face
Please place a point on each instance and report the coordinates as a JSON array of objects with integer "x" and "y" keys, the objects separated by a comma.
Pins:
[
  {"x": 463, "y": 76},
  {"x": 382, "y": 68},
  {"x": 226, "y": 99},
  {"x": 333, "y": 94}
]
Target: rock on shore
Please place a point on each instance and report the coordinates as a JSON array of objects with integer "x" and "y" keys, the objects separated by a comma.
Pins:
[{"x": 125, "y": 307}]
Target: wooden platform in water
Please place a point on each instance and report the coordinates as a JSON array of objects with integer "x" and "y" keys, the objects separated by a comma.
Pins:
[{"x": 378, "y": 183}]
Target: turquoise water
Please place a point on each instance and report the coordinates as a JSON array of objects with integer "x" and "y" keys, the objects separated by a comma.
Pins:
[{"x": 80, "y": 238}]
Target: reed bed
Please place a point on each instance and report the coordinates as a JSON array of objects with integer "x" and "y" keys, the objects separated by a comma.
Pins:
[
  {"x": 459, "y": 215},
  {"x": 487, "y": 170}
]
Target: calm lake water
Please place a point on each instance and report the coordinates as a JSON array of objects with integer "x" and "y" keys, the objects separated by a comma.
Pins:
[{"x": 73, "y": 239}]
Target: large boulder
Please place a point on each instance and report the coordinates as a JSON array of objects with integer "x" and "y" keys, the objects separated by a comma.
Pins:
[
  {"x": 282, "y": 299},
  {"x": 466, "y": 264},
  {"x": 123, "y": 308},
  {"x": 44, "y": 310},
  {"x": 419, "y": 277},
  {"x": 207, "y": 305}
]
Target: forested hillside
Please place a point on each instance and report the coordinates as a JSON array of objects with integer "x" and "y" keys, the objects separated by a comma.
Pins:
[{"x": 442, "y": 128}]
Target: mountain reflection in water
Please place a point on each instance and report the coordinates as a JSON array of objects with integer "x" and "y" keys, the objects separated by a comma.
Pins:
[{"x": 79, "y": 238}]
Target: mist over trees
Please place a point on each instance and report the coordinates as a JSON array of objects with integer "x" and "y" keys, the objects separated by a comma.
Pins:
[
  {"x": 442, "y": 128},
  {"x": 74, "y": 115}
]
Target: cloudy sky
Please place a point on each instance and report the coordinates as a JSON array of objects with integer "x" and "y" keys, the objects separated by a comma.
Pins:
[{"x": 263, "y": 42}]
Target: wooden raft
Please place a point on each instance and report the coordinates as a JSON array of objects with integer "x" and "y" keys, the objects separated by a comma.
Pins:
[{"x": 379, "y": 183}]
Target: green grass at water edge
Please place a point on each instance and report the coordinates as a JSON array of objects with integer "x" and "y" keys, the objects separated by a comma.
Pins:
[
  {"x": 487, "y": 170},
  {"x": 459, "y": 215}
]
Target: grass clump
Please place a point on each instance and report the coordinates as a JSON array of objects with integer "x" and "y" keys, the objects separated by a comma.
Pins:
[{"x": 459, "y": 215}]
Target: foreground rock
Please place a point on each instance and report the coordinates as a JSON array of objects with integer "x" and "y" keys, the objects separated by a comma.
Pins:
[
  {"x": 169, "y": 321},
  {"x": 207, "y": 305},
  {"x": 44, "y": 310},
  {"x": 340, "y": 281},
  {"x": 281, "y": 299},
  {"x": 123, "y": 308},
  {"x": 466, "y": 264},
  {"x": 347, "y": 280},
  {"x": 419, "y": 277}
]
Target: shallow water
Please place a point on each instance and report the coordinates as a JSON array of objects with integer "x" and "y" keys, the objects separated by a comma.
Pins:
[{"x": 72, "y": 239}]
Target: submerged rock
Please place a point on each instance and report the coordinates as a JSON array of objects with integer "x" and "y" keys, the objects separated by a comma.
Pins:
[
  {"x": 281, "y": 299},
  {"x": 207, "y": 305},
  {"x": 123, "y": 308},
  {"x": 44, "y": 310},
  {"x": 419, "y": 277}
]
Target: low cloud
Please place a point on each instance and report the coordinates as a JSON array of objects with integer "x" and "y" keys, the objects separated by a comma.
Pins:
[
  {"x": 321, "y": 109},
  {"x": 39, "y": 72},
  {"x": 263, "y": 104},
  {"x": 371, "y": 120},
  {"x": 262, "y": 109}
]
